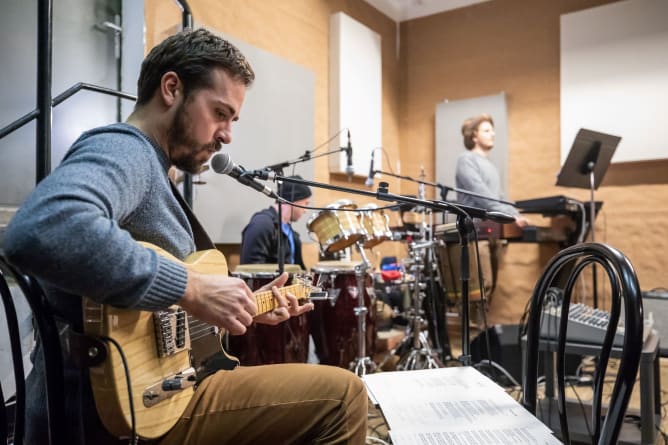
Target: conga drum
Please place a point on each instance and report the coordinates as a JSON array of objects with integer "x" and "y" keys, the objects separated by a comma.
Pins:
[
  {"x": 262, "y": 344},
  {"x": 335, "y": 324},
  {"x": 449, "y": 258},
  {"x": 334, "y": 228},
  {"x": 376, "y": 225}
]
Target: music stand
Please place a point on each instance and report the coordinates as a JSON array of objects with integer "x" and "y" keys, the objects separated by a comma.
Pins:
[{"x": 587, "y": 162}]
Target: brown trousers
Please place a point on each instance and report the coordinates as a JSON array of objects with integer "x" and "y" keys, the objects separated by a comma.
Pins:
[{"x": 275, "y": 404}]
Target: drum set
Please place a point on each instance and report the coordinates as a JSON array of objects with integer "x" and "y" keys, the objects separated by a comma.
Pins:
[{"x": 343, "y": 325}]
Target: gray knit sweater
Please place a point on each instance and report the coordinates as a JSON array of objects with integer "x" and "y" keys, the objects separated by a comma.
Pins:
[
  {"x": 475, "y": 173},
  {"x": 76, "y": 230}
]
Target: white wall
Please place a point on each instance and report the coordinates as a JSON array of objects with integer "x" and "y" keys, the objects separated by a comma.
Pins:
[
  {"x": 355, "y": 92},
  {"x": 614, "y": 76}
]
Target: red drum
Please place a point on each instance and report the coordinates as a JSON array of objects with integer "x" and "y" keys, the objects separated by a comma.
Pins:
[
  {"x": 334, "y": 328},
  {"x": 262, "y": 344}
]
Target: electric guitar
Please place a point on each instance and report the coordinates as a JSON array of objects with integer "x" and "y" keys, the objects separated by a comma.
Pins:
[{"x": 166, "y": 353}]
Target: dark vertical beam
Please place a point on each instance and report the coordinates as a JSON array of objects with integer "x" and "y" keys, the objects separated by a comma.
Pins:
[
  {"x": 187, "y": 22},
  {"x": 44, "y": 77}
]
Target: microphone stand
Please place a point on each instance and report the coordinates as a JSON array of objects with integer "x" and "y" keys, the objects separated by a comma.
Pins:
[
  {"x": 307, "y": 156},
  {"x": 444, "y": 188},
  {"x": 279, "y": 238},
  {"x": 278, "y": 170},
  {"x": 464, "y": 226}
]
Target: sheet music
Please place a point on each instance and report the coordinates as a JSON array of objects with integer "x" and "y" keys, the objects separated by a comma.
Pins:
[{"x": 452, "y": 405}]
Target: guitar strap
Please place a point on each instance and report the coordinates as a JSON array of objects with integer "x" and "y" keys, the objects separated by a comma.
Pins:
[{"x": 202, "y": 240}]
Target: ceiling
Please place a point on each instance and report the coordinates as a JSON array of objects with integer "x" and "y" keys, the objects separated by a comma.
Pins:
[{"x": 400, "y": 10}]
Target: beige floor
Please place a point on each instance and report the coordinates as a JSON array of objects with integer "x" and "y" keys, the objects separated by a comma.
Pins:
[{"x": 378, "y": 429}]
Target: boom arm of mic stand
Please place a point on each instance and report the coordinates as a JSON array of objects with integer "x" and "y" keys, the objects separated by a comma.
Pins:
[
  {"x": 278, "y": 167},
  {"x": 383, "y": 195},
  {"x": 444, "y": 188}
]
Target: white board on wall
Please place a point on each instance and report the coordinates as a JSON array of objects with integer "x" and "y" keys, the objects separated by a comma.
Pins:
[
  {"x": 614, "y": 76},
  {"x": 276, "y": 124},
  {"x": 450, "y": 115},
  {"x": 355, "y": 92}
]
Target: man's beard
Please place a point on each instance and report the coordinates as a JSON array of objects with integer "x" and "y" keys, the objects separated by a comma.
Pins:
[{"x": 179, "y": 136}]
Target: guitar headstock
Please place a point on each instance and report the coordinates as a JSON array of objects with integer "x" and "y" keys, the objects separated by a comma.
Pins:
[{"x": 303, "y": 289}]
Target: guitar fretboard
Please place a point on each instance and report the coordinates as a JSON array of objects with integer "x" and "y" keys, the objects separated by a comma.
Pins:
[{"x": 266, "y": 301}]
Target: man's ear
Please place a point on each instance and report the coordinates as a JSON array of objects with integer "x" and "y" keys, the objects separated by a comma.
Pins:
[{"x": 170, "y": 87}]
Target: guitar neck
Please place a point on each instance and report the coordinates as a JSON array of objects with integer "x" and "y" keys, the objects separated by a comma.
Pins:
[{"x": 266, "y": 301}]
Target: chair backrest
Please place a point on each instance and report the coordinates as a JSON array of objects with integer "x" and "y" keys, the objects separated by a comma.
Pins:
[
  {"x": 567, "y": 266},
  {"x": 48, "y": 333}
]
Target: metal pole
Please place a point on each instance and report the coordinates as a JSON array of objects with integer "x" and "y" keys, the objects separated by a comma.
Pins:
[
  {"x": 44, "y": 85},
  {"x": 187, "y": 23},
  {"x": 592, "y": 216}
]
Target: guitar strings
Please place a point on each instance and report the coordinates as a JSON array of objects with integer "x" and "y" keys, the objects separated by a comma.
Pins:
[{"x": 199, "y": 329}]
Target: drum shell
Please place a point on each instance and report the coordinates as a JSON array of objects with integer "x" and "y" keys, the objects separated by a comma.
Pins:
[
  {"x": 336, "y": 229},
  {"x": 377, "y": 227},
  {"x": 335, "y": 325},
  {"x": 286, "y": 342}
]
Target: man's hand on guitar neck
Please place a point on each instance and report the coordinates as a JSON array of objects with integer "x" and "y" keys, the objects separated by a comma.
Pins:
[
  {"x": 288, "y": 306},
  {"x": 228, "y": 303},
  {"x": 222, "y": 301}
]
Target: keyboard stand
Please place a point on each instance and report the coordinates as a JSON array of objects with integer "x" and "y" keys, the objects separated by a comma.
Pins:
[{"x": 650, "y": 392}]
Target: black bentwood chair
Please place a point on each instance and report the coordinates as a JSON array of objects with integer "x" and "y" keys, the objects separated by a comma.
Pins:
[
  {"x": 12, "y": 416},
  {"x": 624, "y": 288}
]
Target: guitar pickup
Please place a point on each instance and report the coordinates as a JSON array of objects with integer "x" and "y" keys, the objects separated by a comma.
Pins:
[{"x": 171, "y": 331}]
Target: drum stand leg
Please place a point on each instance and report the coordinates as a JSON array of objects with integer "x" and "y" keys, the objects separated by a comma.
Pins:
[
  {"x": 362, "y": 363},
  {"x": 420, "y": 355}
]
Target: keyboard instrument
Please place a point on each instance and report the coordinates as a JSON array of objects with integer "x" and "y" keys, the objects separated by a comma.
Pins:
[
  {"x": 585, "y": 325},
  {"x": 486, "y": 230},
  {"x": 551, "y": 206}
]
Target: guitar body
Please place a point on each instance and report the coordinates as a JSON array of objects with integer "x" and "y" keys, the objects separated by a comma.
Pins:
[
  {"x": 166, "y": 352},
  {"x": 135, "y": 332}
]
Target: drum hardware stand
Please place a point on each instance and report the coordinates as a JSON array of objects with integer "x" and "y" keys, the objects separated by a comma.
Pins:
[
  {"x": 362, "y": 363},
  {"x": 420, "y": 356}
]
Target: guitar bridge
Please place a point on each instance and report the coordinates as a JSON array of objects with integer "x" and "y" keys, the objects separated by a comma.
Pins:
[
  {"x": 171, "y": 331},
  {"x": 165, "y": 389}
]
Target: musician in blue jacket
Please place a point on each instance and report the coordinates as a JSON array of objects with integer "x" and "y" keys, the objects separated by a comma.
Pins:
[
  {"x": 77, "y": 234},
  {"x": 259, "y": 239}
]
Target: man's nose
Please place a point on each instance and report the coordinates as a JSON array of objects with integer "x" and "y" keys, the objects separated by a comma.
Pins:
[{"x": 224, "y": 135}]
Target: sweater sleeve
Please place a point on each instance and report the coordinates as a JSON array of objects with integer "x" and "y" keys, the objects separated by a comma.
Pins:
[
  {"x": 68, "y": 232},
  {"x": 469, "y": 177}
]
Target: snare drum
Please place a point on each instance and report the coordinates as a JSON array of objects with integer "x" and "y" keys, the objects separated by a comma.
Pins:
[
  {"x": 336, "y": 229},
  {"x": 335, "y": 324},
  {"x": 376, "y": 224},
  {"x": 262, "y": 344}
]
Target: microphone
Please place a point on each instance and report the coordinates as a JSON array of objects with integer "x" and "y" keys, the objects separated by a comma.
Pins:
[
  {"x": 221, "y": 163},
  {"x": 499, "y": 217},
  {"x": 349, "y": 159},
  {"x": 369, "y": 179}
]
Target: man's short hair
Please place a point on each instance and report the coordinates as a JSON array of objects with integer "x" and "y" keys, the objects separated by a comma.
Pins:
[{"x": 192, "y": 55}]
